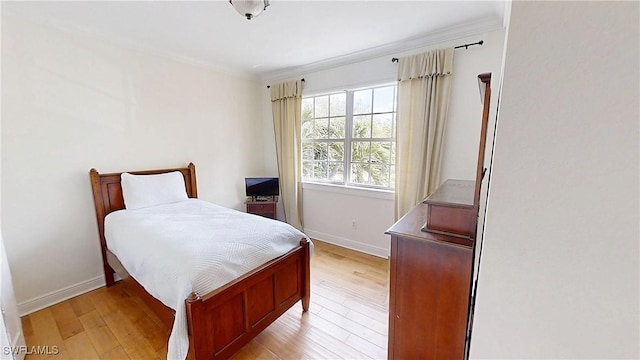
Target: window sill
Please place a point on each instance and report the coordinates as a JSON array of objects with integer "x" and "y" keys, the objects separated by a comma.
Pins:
[{"x": 350, "y": 190}]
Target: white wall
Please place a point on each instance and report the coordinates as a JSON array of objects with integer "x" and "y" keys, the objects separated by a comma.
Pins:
[
  {"x": 328, "y": 215},
  {"x": 72, "y": 102},
  {"x": 559, "y": 275},
  {"x": 10, "y": 325}
]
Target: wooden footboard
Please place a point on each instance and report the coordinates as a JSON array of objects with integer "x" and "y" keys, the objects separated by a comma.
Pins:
[{"x": 224, "y": 320}]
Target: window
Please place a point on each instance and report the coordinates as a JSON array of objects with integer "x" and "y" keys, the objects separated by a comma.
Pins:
[{"x": 349, "y": 137}]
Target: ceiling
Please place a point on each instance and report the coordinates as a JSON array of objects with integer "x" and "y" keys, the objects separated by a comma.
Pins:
[{"x": 288, "y": 35}]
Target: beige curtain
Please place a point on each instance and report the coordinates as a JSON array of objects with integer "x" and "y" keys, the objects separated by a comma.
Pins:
[
  {"x": 424, "y": 89},
  {"x": 286, "y": 103}
]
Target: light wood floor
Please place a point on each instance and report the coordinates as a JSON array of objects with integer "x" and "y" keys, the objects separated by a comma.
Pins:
[{"x": 347, "y": 319}]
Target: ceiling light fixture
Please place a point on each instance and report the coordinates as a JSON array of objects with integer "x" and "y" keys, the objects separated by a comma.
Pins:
[{"x": 249, "y": 8}]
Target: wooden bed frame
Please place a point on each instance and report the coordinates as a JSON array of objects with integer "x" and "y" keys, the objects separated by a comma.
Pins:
[{"x": 224, "y": 320}]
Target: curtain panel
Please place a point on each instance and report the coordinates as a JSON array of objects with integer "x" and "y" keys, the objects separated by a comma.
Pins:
[
  {"x": 424, "y": 88},
  {"x": 286, "y": 104}
]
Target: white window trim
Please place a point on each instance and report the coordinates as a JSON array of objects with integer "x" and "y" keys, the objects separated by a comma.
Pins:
[
  {"x": 360, "y": 191},
  {"x": 350, "y": 188}
]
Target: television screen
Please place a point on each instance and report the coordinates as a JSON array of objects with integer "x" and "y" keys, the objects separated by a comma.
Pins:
[{"x": 262, "y": 186}]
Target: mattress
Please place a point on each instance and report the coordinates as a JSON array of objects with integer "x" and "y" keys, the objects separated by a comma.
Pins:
[{"x": 193, "y": 245}]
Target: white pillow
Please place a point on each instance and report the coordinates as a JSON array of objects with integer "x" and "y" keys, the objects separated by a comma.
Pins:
[{"x": 140, "y": 191}]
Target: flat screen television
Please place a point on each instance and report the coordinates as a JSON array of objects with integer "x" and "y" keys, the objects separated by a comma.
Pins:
[{"x": 262, "y": 188}]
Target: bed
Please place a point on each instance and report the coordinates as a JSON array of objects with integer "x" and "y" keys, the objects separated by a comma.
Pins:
[{"x": 220, "y": 321}]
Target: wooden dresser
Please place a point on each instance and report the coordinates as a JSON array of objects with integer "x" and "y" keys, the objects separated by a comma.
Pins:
[
  {"x": 429, "y": 287},
  {"x": 431, "y": 266}
]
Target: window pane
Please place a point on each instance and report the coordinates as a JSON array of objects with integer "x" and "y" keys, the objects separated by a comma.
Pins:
[
  {"x": 392, "y": 176},
  {"x": 382, "y": 126},
  {"x": 336, "y": 171},
  {"x": 393, "y": 153},
  {"x": 362, "y": 102},
  {"x": 338, "y": 104},
  {"x": 307, "y": 150},
  {"x": 380, "y": 152},
  {"x": 320, "y": 170},
  {"x": 395, "y": 103},
  {"x": 307, "y": 169},
  {"x": 321, "y": 106},
  {"x": 307, "y": 108},
  {"x": 395, "y": 119},
  {"x": 320, "y": 151},
  {"x": 360, "y": 151},
  {"x": 360, "y": 173},
  {"x": 336, "y": 128},
  {"x": 321, "y": 129},
  {"x": 380, "y": 175},
  {"x": 362, "y": 127},
  {"x": 336, "y": 151},
  {"x": 307, "y": 129},
  {"x": 383, "y": 99}
]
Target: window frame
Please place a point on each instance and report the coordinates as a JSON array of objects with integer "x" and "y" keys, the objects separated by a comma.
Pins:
[{"x": 348, "y": 139}]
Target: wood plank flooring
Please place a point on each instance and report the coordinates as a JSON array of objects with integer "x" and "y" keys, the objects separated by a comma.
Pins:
[{"x": 347, "y": 319}]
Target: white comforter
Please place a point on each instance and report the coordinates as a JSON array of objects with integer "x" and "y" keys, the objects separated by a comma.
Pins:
[{"x": 192, "y": 245}]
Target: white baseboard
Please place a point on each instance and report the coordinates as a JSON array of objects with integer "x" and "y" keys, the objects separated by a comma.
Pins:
[
  {"x": 349, "y": 244},
  {"x": 54, "y": 297}
]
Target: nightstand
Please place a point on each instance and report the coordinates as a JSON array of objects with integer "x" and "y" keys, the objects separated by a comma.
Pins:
[{"x": 262, "y": 208}]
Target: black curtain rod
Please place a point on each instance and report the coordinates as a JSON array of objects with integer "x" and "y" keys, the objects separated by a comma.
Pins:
[
  {"x": 465, "y": 46},
  {"x": 268, "y": 86}
]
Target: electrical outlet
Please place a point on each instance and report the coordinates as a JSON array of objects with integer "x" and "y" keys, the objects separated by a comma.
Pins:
[{"x": 354, "y": 224}]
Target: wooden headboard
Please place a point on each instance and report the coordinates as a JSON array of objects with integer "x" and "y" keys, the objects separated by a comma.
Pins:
[{"x": 107, "y": 194}]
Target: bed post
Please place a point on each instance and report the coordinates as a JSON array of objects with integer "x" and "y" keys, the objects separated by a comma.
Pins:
[
  {"x": 201, "y": 342},
  {"x": 306, "y": 259},
  {"x": 97, "y": 198},
  {"x": 194, "y": 187}
]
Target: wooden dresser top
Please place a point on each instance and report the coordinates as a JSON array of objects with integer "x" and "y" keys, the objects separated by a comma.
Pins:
[
  {"x": 453, "y": 193},
  {"x": 411, "y": 224}
]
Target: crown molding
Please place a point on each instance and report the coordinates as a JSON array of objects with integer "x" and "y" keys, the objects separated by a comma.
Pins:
[{"x": 471, "y": 28}]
